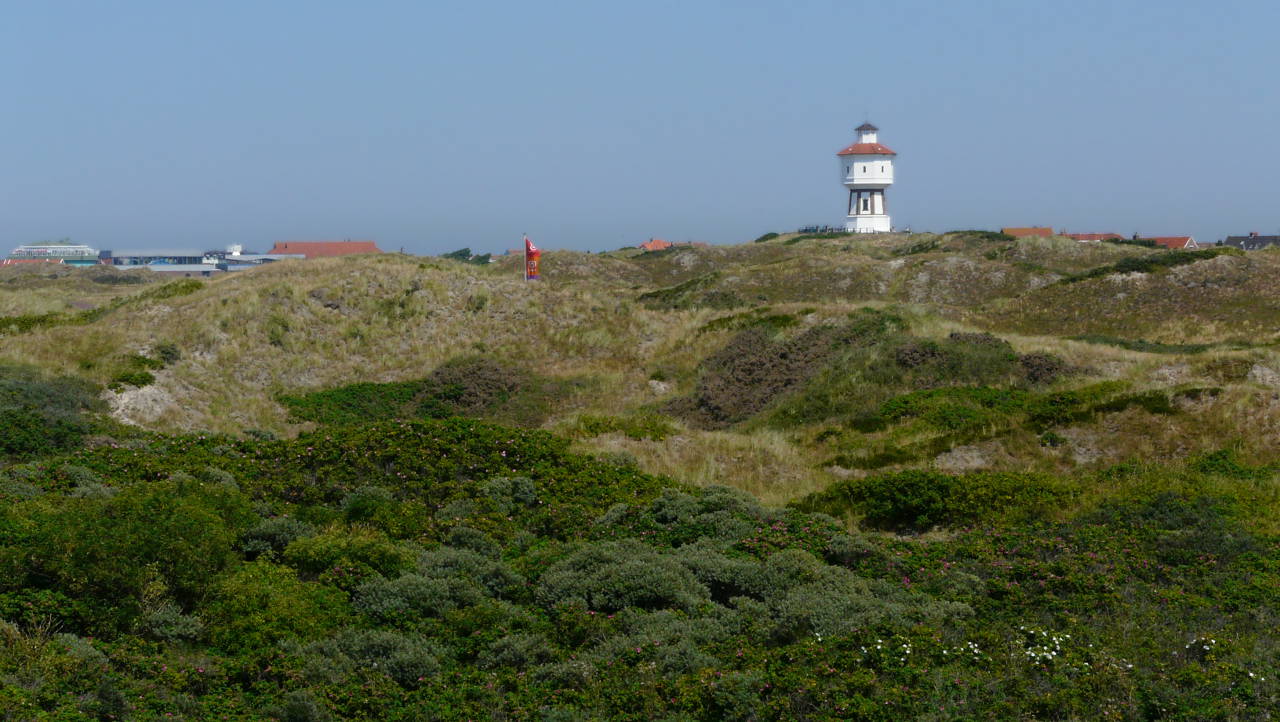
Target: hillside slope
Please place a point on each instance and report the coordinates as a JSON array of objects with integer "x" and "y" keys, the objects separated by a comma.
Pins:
[{"x": 619, "y": 351}]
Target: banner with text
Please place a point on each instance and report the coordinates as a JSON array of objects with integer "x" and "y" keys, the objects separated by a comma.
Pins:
[{"x": 532, "y": 258}]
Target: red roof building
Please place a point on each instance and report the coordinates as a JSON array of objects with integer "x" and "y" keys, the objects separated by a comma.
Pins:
[
  {"x": 1094, "y": 237},
  {"x": 656, "y": 244},
  {"x": 1027, "y": 232},
  {"x": 1177, "y": 243},
  {"x": 324, "y": 249}
]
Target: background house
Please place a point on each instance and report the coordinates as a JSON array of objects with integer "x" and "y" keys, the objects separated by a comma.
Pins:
[
  {"x": 1029, "y": 231},
  {"x": 1177, "y": 243},
  {"x": 1252, "y": 242},
  {"x": 323, "y": 249}
]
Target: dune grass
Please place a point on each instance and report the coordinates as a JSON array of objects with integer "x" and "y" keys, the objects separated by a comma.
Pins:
[{"x": 620, "y": 336}]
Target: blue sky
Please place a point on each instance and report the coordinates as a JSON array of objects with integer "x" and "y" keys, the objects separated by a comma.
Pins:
[{"x": 591, "y": 125}]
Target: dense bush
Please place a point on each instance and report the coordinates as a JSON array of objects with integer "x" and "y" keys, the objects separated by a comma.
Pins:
[
  {"x": 261, "y": 604},
  {"x": 414, "y": 596},
  {"x": 468, "y": 386},
  {"x": 40, "y": 415},
  {"x": 615, "y": 575},
  {"x": 464, "y": 570},
  {"x": 919, "y": 500},
  {"x": 108, "y": 548},
  {"x": 640, "y": 426},
  {"x": 348, "y": 554},
  {"x": 408, "y": 659}
]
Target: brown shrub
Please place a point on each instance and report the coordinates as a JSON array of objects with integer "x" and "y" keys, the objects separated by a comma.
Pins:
[
  {"x": 918, "y": 353},
  {"x": 754, "y": 369},
  {"x": 473, "y": 384},
  {"x": 1042, "y": 368}
]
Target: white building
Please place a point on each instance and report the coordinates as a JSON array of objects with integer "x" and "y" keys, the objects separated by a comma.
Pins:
[{"x": 866, "y": 168}]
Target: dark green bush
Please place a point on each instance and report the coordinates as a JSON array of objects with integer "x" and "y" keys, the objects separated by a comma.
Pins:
[
  {"x": 108, "y": 548},
  {"x": 132, "y": 378},
  {"x": 463, "y": 386},
  {"x": 616, "y": 575},
  {"x": 41, "y": 415},
  {"x": 273, "y": 535},
  {"x": 348, "y": 554},
  {"x": 261, "y": 604},
  {"x": 167, "y": 353},
  {"x": 918, "y": 500},
  {"x": 413, "y": 596},
  {"x": 493, "y": 576}
]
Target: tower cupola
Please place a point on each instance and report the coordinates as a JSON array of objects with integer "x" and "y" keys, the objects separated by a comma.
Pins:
[{"x": 866, "y": 169}]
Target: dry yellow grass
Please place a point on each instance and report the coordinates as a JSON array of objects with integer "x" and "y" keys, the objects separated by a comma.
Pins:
[{"x": 293, "y": 327}]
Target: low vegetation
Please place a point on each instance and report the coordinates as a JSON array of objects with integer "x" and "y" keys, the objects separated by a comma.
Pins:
[{"x": 889, "y": 477}]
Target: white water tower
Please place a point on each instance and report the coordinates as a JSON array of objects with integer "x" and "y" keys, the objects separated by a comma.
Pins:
[{"x": 866, "y": 168}]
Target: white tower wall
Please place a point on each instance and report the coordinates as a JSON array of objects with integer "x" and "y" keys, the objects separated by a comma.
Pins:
[{"x": 866, "y": 171}]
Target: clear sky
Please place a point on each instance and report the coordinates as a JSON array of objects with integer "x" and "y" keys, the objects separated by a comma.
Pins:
[{"x": 592, "y": 125}]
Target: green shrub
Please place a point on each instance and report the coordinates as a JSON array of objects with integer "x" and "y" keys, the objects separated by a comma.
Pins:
[
  {"x": 640, "y": 426},
  {"x": 273, "y": 535},
  {"x": 108, "y": 548},
  {"x": 493, "y": 576},
  {"x": 300, "y": 705},
  {"x": 167, "y": 353},
  {"x": 615, "y": 575},
  {"x": 166, "y": 622},
  {"x": 518, "y": 651},
  {"x": 462, "y": 386},
  {"x": 132, "y": 378},
  {"x": 1226, "y": 462},
  {"x": 473, "y": 540},
  {"x": 766, "y": 237},
  {"x": 41, "y": 415},
  {"x": 413, "y": 596},
  {"x": 366, "y": 503},
  {"x": 408, "y": 659},
  {"x": 918, "y": 500},
  {"x": 347, "y": 554},
  {"x": 261, "y": 604},
  {"x": 755, "y": 317}
]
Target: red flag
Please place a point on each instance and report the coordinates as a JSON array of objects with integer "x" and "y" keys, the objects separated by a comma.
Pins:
[{"x": 532, "y": 257}]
